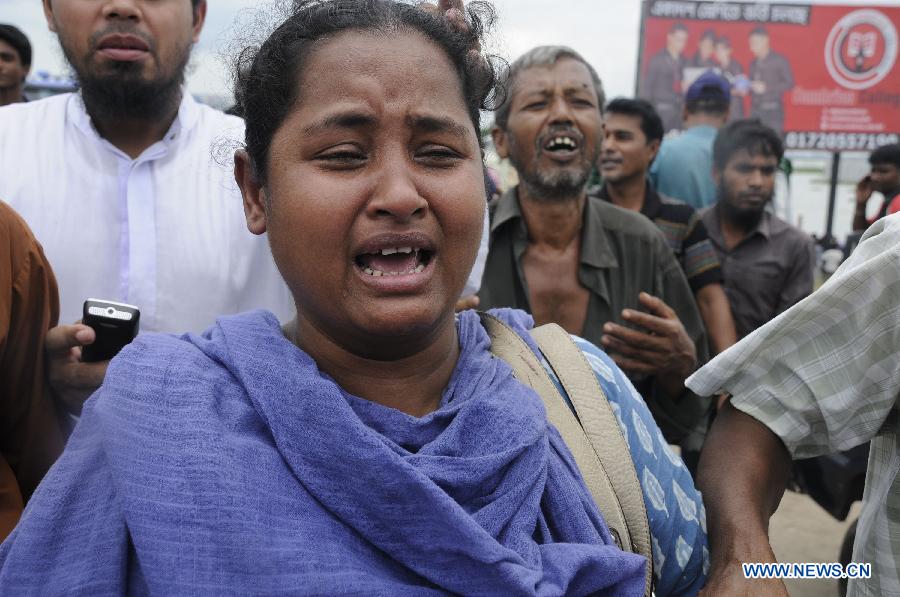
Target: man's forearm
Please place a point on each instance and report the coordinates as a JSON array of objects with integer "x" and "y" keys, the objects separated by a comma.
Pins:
[
  {"x": 743, "y": 471},
  {"x": 716, "y": 314}
]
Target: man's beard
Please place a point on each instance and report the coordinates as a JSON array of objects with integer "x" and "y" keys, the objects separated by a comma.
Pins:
[
  {"x": 745, "y": 219},
  {"x": 558, "y": 185},
  {"x": 121, "y": 93}
]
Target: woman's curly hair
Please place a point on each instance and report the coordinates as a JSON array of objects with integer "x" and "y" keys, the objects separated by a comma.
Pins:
[{"x": 267, "y": 76}]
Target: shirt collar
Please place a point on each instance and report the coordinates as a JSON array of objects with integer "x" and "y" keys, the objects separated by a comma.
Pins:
[
  {"x": 595, "y": 248},
  {"x": 703, "y": 131},
  {"x": 507, "y": 208},
  {"x": 765, "y": 225},
  {"x": 763, "y": 228},
  {"x": 649, "y": 208},
  {"x": 185, "y": 120}
]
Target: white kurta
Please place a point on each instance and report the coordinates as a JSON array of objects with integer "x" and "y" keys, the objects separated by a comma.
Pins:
[{"x": 165, "y": 231}]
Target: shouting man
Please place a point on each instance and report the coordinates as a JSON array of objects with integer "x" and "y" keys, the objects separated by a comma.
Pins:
[{"x": 599, "y": 271}]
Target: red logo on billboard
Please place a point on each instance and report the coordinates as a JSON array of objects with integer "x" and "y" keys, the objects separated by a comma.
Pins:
[{"x": 861, "y": 49}]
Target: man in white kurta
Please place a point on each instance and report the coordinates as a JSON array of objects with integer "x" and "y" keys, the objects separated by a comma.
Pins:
[{"x": 165, "y": 231}]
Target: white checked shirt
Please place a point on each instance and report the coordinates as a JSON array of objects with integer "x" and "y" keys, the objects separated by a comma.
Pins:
[{"x": 825, "y": 376}]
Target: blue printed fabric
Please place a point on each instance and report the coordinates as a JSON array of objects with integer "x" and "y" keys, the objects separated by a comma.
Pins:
[
  {"x": 674, "y": 506},
  {"x": 228, "y": 464},
  {"x": 675, "y": 510}
]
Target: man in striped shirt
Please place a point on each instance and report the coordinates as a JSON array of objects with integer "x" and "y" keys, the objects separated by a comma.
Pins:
[
  {"x": 821, "y": 377},
  {"x": 631, "y": 141}
]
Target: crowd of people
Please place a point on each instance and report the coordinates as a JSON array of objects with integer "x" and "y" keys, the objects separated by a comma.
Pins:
[{"x": 313, "y": 406}]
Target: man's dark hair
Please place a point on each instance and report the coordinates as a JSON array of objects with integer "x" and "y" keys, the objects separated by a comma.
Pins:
[
  {"x": 709, "y": 34},
  {"x": 759, "y": 31},
  {"x": 651, "y": 123},
  {"x": 678, "y": 27},
  {"x": 14, "y": 37},
  {"x": 723, "y": 41},
  {"x": 749, "y": 135},
  {"x": 267, "y": 77},
  {"x": 886, "y": 154},
  {"x": 545, "y": 56}
]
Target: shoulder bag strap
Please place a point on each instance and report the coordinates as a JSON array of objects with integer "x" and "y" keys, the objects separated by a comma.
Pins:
[
  {"x": 507, "y": 345},
  {"x": 599, "y": 423}
]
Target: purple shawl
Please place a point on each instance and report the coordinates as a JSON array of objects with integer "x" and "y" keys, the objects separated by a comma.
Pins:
[{"x": 229, "y": 464}]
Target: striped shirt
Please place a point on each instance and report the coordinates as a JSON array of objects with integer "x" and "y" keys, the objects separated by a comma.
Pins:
[
  {"x": 685, "y": 234},
  {"x": 825, "y": 377}
]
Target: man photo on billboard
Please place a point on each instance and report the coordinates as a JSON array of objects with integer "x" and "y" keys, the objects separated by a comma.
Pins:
[
  {"x": 734, "y": 72},
  {"x": 770, "y": 77},
  {"x": 705, "y": 55},
  {"x": 662, "y": 81}
]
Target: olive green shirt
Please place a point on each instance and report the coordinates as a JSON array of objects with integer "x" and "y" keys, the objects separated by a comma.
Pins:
[{"x": 622, "y": 254}]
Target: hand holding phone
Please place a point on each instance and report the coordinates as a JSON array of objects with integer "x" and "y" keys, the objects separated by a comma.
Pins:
[
  {"x": 71, "y": 380},
  {"x": 116, "y": 325}
]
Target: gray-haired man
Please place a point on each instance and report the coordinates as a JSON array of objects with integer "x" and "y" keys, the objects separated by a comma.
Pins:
[{"x": 599, "y": 271}]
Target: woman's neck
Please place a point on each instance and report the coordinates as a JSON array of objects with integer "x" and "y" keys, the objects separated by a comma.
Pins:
[{"x": 411, "y": 381}]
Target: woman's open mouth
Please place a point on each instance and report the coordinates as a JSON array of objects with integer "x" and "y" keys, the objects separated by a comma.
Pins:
[{"x": 394, "y": 261}]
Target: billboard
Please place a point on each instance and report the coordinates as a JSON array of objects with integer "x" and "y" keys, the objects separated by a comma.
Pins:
[{"x": 825, "y": 76}]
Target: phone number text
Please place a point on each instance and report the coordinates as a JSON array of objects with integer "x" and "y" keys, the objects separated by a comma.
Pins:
[{"x": 838, "y": 141}]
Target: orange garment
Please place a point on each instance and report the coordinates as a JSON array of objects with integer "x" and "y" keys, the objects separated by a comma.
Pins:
[
  {"x": 31, "y": 430},
  {"x": 893, "y": 205},
  {"x": 889, "y": 206}
]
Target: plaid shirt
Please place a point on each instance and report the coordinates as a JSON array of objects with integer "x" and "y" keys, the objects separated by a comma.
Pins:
[{"x": 825, "y": 376}]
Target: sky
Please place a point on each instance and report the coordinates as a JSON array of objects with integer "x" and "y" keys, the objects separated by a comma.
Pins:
[
  {"x": 605, "y": 32},
  {"x": 606, "y": 37}
]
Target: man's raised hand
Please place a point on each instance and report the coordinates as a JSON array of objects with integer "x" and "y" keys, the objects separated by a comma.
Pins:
[{"x": 662, "y": 346}]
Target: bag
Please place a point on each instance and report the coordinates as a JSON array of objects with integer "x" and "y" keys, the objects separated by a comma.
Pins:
[{"x": 588, "y": 426}]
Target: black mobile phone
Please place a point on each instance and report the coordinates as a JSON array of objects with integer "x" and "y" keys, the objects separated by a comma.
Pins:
[{"x": 116, "y": 324}]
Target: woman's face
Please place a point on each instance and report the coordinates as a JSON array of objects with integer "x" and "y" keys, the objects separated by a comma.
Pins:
[{"x": 375, "y": 195}]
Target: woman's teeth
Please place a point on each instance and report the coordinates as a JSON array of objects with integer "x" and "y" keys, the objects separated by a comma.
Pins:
[
  {"x": 394, "y": 261},
  {"x": 378, "y": 272}
]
